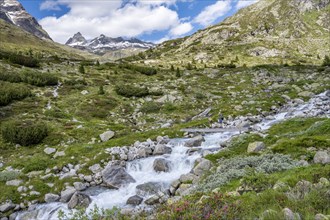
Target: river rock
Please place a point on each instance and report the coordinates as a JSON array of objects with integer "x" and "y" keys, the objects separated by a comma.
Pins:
[
  {"x": 79, "y": 200},
  {"x": 95, "y": 168},
  {"x": 322, "y": 157},
  {"x": 174, "y": 186},
  {"x": 70, "y": 174},
  {"x": 79, "y": 186},
  {"x": 107, "y": 135},
  {"x": 142, "y": 153},
  {"x": 67, "y": 194},
  {"x": 195, "y": 141},
  {"x": 49, "y": 150},
  {"x": 161, "y": 149},
  {"x": 59, "y": 154},
  {"x": 50, "y": 197},
  {"x": 181, "y": 190},
  {"x": 134, "y": 200},
  {"x": 188, "y": 178},
  {"x": 256, "y": 147},
  {"x": 202, "y": 167},
  {"x": 162, "y": 165},
  {"x": 7, "y": 206},
  {"x": 115, "y": 176},
  {"x": 149, "y": 188}
]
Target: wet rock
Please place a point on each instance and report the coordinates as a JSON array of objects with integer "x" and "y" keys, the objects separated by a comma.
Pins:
[
  {"x": 67, "y": 194},
  {"x": 142, "y": 153},
  {"x": 162, "y": 165},
  {"x": 7, "y": 206},
  {"x": 195, "y": 141},
  {"x": 79, "y": 186},
  {"x": 49, "y": 150},
  {"x": 202, "y": 167},
  {"x": 256, "y": 147},
  {"x": 50, "y": 197},
  {"x": 134, "y": 200},
  {"x": 79, "y": 200},
  {"x": 322, "y": 157},
  {"x": 154, "y": 199},
  {"x": 13, "y": 216},
  {"x": 174, "y": 186},
  {"x": 161, "y": 149},
  {"x": 149, "y": 188},
  {"x": 107, "y": 135},
  {"x": 115, "y": 176}
]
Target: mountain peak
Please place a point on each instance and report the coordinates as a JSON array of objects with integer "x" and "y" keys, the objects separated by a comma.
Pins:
[
  {"x": 13, "y": 12},
  {"x": 102, "y": 43}
]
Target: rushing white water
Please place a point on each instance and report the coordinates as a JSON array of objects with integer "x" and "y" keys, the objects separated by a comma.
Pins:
[{"x": 181, "y": 161}]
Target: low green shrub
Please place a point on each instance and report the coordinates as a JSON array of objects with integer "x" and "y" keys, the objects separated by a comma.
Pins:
[
  {"x": 141, "y": 69},
  {"x": 150, "y": 107},
  {"x": 8, "y": 175},
  {"x": 12, "y": 91},
  {"x": 31, "y": 77},
  {"x": 24, "y": 133},
  {"x": 130, "y": 91}
]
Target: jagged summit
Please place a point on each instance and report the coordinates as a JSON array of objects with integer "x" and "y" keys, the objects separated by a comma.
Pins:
[
  {"x": 102, "y": 43},
  {"x": 13, "y": 12}
]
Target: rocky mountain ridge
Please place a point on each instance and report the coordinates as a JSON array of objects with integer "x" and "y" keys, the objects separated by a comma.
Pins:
[
  {"x": 13, "y": 12},
  {"x": 268, "y": 31},
  {"x": 103, "y": 44}
]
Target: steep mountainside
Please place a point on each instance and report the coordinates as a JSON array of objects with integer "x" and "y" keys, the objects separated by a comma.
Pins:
[
  {"x": 13, "y": 12},
  {"x": 270, "y": 31},
  {"x": 14, "y": 39},
  {"x": 103, "y": 44}
]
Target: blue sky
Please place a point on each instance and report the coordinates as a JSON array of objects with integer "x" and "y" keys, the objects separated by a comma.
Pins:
[{"x": 150, "y": 20}]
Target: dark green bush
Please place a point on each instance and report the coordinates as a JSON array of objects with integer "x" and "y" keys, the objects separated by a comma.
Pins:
[
  {"x": 141, "y": 69},
  {"x": 14, "y": 58},
  {"x": 150, "y": 107},
  {"x": 326, "y": 61},
  {"x": 12, "y": 91},
  {"x": 130, "y": 91},
  {"x": 24, "y": 133},
  {"x": 31, "y": 77}
]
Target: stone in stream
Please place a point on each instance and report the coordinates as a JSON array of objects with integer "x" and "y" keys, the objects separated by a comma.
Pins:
[
  {"x": 67, "y": 194},
  {"x": 162, "y": 165},
  {"x": 134, "y": 200},
  {"x": 7, "y": 206},
  {"x": 149, "y": 188},
  {"x": 195, "y": 141},
  {"x": 115, "y": 176},
  {"x": 161, "y": 149},
  {"x": 79, "y": 200},
  {"x": 50, "y": 197}
]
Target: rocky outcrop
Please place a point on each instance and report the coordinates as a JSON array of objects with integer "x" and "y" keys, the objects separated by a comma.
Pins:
[
  {"x": 256, "y": 147},
  {"x": 13, "y": 12},
  {"x": 195, "y": 141},
  {"x": 134, "y": 200}
]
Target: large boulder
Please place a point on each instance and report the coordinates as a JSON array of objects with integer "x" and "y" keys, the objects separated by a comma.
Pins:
[
  {"x": 203, "y": 166},
  {"x": 50, "y": 197},
  {"x": 134, "y": 200},
  {"x": 67, "y": 194},
  {"x": 115, "y": 176},
  {"x": 162, "y": 165},
  {"x": 188, "y": 178},
  {"x": 49, "y": 150},
  {"x": 79, "y": 200},
  {"x": 149, "y": 188},
  {"x": 195, "y": 141},
  {"x": 161, "y": 149},
  {"x": 322, "y": 157},
  {"x": 7, "y": 206},
  {"x": 256, "y": 147},
  {"x": 107, "y": 135}
]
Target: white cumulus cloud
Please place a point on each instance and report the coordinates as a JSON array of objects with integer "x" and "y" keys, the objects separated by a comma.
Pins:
[
  {"x": 212, "y": 12},
  {"x": 114, "y": 19},
  {"x": 50, "y": 5},
  {"x": 244, "y": 3}
]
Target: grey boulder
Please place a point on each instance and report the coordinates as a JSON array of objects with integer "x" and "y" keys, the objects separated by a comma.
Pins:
[{"x": 115, "y": 176}]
